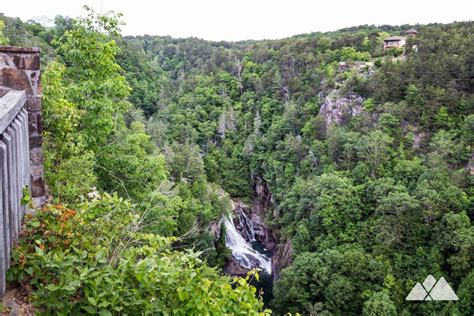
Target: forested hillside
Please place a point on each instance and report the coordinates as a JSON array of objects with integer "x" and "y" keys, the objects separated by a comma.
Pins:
[
  {"x": 118, "y": 235},
  {"x": 367, "y": 154}
]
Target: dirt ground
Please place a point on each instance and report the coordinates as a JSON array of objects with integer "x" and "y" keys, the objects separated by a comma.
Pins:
[{"x": 15, "y": 303}]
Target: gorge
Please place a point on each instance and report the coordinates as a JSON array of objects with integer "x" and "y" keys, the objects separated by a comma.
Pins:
[
  {"x": 341, "y": 170},
  {"x": 255, "y": 244},
  {"x": 252, "y": 244}
]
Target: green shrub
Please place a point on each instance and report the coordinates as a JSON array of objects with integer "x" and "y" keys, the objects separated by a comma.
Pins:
[{"x": 96, "y": 261}]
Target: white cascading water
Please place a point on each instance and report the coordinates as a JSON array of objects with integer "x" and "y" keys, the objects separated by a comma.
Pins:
[
  {"x": 243, "y": 251},
  {"x": 248, "y": 224}
]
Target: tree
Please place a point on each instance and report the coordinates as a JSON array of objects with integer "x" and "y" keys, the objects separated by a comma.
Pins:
[
  {"x": 334, "y": 277},
  {"x": 96, "y": 85},
  {"x": 375, "y": 148},
  {"x": 3, "y": 39},
  {"x": 85, "y": 104},
  {"x": 455, "y": 237},
  {"x": 185, "y": 162},
  {"x": 69, "y": 164},
  {"x": 465, "y": 294},
  {"x": 399, "y": 214},
  {"x": 330, "y": 202},
  {"x": 130, "y": 163},
  {"x": 468, "y": 130},
  {"x": 379, "y": 304}
]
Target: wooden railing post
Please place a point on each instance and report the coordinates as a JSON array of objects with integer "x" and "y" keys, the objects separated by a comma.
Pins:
[
  {"x": 14, "y": 173},
  {"x": 21, "y": 156}
]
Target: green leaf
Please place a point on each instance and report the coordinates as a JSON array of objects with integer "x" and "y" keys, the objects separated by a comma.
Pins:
[
  {"x": 34, "y": 223},
  {"x": 39, "y": 251},
  {"x": 92, "y": 301},
  {"x": 89, "y": 309},
  {"x": 182, "y": 294},
  {"x": 104, "y": 312}
]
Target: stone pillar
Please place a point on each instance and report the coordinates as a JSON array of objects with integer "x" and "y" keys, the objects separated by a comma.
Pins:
[{"x": 20, "y": 70}]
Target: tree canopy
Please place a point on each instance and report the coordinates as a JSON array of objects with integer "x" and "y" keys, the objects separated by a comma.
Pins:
[{"x": 367, "y": 154}]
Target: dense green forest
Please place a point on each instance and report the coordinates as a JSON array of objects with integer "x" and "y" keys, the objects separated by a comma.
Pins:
[{"x": 368, "y": 155}]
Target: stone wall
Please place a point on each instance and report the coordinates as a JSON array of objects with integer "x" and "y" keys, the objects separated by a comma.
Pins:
[{"x": 20, "y": 70}]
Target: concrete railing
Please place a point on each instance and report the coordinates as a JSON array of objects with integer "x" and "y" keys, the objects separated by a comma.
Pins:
[
  {"x": 14, "y": 173},
  {"x": 21, "y": 155}
]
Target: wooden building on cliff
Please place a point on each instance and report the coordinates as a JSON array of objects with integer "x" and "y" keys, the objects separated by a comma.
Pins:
[{"x": 398, "y": 41}]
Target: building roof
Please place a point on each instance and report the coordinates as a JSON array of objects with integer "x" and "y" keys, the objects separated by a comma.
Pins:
[
  {"x": 394, "y": 38},
  {"x": 411, "y": 31}
]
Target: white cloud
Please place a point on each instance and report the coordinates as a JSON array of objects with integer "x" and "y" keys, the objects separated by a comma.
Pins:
[{"x": 257, "y": 19}]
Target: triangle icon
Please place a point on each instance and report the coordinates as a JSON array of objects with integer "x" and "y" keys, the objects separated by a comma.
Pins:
[
  {"x": 418, "y": 293},
  {"x": 443, "y": 292},
  {"x": 429, "y": 282}
]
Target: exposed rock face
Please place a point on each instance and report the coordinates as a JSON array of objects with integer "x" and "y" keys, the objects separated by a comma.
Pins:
[
  {"x": 281, "y": 258},
  {"x": 241, "y": 239},
  {"x": 470, "y": 165},
  {"x": 253, "y": 217},
  {"x": 281, "y": 249},
  {"x": 264, "y": 234},
  {"x": 264, "y": 196},
  {"x": 232, "y": 267},
  {"x": 250, "y": 223},
  {"x": 215, "y": 228},
  {"x": 336, "y": 109},
  {"x": 419, "y": 137}
]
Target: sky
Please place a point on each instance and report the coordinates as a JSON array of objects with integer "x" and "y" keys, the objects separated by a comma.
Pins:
[{"x": 246, "y": 19}]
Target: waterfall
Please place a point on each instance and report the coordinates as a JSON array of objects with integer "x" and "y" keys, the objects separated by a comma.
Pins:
[
  {"x": 247, "y": 224},
  {"x": 243, "y": 251}
]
